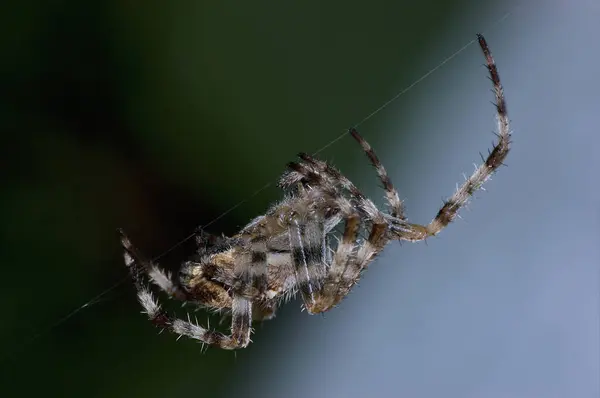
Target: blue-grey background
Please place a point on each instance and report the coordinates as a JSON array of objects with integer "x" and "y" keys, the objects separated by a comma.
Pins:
[{"x": 159, "y": 117}]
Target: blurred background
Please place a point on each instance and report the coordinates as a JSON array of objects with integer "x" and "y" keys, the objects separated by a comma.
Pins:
[{"x": 159, "y": 117}]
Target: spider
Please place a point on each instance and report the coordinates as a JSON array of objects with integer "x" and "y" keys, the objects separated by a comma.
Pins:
[{"x": 294, "y": 246}]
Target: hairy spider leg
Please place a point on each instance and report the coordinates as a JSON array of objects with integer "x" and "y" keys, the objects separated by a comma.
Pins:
[
  {"x": 240, "y": 330},
  {"x": 490, "y": 164}
]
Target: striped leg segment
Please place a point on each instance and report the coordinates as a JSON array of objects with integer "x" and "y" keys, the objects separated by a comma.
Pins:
[
  {"x": 329, "y": 295},
  {"x": 158, "y": 276},
  {"x": 348, "y": 262},
  {"x": 490, "y": 164},
  {"x": 494, "y": 159},
  {"x": 250, "y": 268},
  {"x": 307, "y": 245},
  {"x": 394, "y": 202},
  {"x": 241, "y": 322},
  {"x": 240, "y": 331}
]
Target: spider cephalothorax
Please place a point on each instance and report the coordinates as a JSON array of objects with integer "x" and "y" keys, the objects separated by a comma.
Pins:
[{"x": 294, "y": 246}]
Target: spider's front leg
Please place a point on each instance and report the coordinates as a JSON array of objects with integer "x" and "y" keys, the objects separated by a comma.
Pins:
[{"x": 241, "y": 311}]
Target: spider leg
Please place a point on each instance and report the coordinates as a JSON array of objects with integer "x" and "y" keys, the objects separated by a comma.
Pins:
[
  {"x": 241, "y": 323},
  {"x": 158, "y": 276},
  {"x": 490, "y": 165},
  {"x": 394, "y": 202},
  {"x": 328, "y": 178},
  {"x": 327, "y": 297},
  {"x": 250, "y": 278},
  {"x": 241, "y": 309},
  {"x": 349, "y": 260},
  {"x": 308, "y": 247},
  {"x": 318, "y": 171},
  {"x": 164, "y": 280},
  {"x": 246, "y": 263}
]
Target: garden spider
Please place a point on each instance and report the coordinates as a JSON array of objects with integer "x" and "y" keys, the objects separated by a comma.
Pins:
[{"x": 289, "y": 249}]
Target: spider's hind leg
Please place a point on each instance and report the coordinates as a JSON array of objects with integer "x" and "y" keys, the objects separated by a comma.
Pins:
[
  {"x": 157, "y": 275},
  {"x": 241, "y": 311}
]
